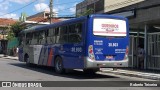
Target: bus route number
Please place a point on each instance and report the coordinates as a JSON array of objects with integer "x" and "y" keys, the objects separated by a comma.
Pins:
[
  {"x": 76, "y": 49},
  {"x": 112, "y": 44}
]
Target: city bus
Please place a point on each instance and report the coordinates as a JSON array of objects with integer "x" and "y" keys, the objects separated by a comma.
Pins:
[{"x": 88, "y": 43}]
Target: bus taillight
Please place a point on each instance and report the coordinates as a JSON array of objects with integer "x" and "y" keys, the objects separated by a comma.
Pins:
[
  {"x": 91, "y": 53},
  {"x": 126, "y": 54}
]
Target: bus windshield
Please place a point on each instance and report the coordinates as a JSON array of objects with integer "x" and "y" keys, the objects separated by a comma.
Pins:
[{"x": 109, "y": 27}]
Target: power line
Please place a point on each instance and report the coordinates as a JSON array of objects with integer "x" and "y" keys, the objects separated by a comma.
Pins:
[
  {"x": 62, "y": 4},
  {"x": 63, "y": 9},
  {"x": 67, "y": 8},
  {"x": 19, "y": 8},
  {"x": 32, "y": 3}
]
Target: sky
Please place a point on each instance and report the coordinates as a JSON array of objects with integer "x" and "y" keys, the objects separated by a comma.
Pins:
[{"x": 14, "y": 8}]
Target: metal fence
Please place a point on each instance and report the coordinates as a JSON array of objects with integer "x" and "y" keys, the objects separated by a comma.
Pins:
[
  {"x": 153, "y": 51},
  {"x": 133, "y": 59}
]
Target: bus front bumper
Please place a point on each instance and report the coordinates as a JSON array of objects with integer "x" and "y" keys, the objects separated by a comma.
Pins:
[{"x": 99, "y": 64}]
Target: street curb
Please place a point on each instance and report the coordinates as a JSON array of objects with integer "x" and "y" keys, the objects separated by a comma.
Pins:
[
  {"x": 153, "y": 77},
  {"x": 9, "y": 58}
]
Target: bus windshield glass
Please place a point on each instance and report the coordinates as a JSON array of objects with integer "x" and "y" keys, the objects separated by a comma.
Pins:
[{"x": 109, "y": 27}]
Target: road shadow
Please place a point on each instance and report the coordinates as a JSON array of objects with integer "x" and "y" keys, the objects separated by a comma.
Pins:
[{"x": 72, "y": 74}]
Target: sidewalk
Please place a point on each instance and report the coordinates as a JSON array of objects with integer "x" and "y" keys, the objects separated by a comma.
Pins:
[
  {"x": 147, "y": 74},
  {"x": 8, "y": 57}
]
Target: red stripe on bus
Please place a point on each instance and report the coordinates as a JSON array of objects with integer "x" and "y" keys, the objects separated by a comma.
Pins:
[{"x": 50, "y": 57}]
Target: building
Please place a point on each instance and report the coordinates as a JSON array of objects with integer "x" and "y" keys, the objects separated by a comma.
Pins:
[
  {"x": 144, "y": 20},
  {"x": 5, "y": 24},
  {"x": 41, "y": 18},
  {"x": 103, "y": 6},
  {"x": 96, "y": 5}
]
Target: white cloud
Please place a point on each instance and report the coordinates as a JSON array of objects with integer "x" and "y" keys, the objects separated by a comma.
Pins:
[
  {"x": 41, "y": 7},
  {"x": 73, "y": 9},
  {"x": 41, "y": 0},
  {"x": 59, "y": 9},
  {"x": 55, "y": 10},
  {"x": 21, "y": 1},
  {"x": 45, "y": 7},
  {"x": 4, "y": 6},
  {"x": 12, "y": 15}
]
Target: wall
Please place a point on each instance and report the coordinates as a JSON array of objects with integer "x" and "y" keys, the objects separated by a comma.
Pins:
[{"x": 116, "y": 4}]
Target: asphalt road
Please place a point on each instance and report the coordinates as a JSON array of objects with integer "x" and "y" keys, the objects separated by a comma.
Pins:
[{"x": 11, "y": 70}]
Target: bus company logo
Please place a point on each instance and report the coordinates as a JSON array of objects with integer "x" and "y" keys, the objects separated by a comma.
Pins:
[
  {"x": 6, "y": 84},
  {"x": 110, "y": 27}
]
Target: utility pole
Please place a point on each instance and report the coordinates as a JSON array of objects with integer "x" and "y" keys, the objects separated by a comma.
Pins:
[{"x": 51, "y": 10}]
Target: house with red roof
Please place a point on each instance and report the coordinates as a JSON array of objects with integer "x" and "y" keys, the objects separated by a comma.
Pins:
[
  {"x": 5, "y": 25},
  {"x": 41, "y": 18}
]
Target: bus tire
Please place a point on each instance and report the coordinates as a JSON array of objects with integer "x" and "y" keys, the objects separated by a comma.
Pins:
[
  {"x": 59, "y": 65},
  {"x": 90, "y": 71},
  {"x": 26, "y": 58}
]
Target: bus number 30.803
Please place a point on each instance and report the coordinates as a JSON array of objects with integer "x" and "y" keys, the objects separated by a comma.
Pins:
[{"x": 112, "y": 44}]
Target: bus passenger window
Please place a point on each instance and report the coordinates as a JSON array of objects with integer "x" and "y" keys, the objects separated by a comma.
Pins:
[
  {"x": 63, "y": 30},
  {"x": 29, "y": 37},
  {"x": 72, "y": 29},
  {"x": 57, "y": 31},
  {"x": 51, "y": 32},
  {"x": 63, "y": 35},
  {"x": 78, "y": 28},
  {"x": 75, "y": 33},
  {"x": 35, "y": 38},
  {"x": 63, "y": 39},
  {"x": 57, "y": 35},
  {"x": 51, "y": 36},
  {"x": 41, "y": 37}
]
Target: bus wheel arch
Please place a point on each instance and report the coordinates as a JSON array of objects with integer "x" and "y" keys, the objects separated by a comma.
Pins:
[
  {"x": 58, "y": 64},
  {"x": 26, "y": 58}
]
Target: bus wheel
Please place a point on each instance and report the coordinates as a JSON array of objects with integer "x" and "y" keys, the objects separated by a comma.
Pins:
[
  {"x": 26, "y": 58},
  {"x": 90, "y": 71},
  {"x": 59, "y": 65}
]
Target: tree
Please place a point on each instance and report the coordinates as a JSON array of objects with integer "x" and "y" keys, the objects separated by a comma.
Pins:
[
  {"x": 16, "y": 28},
  {"x": 10, "y": 35},
  {"x": 87, "y": 12}
]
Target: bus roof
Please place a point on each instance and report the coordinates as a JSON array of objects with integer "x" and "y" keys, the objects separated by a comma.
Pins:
[{"x": 38, "y": 28}]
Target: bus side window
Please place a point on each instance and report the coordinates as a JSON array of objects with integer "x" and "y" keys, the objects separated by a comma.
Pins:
[
  {"x": 78, "y": 28},
  {"x": 63, "y": 35},
  {"x": 57, "y": 34},
  {"x": 50, "y": 36},
  {"x": 75, "y": 34},
  {"x": 41, "y": 38},
  {"x": 46, "y": 36},
  {"x": 35, "y": 38},
  {"x": 29, "y": 37}
]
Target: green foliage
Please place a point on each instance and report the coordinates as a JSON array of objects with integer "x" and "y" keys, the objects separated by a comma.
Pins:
[
  {"x": 16, "y": 28},
  {"x": 10, "y": 35},
  {"x": 87, "y": 12}
]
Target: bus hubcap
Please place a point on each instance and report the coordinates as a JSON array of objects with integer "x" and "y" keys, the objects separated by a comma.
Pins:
[{"x": 58, "y": 65}]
